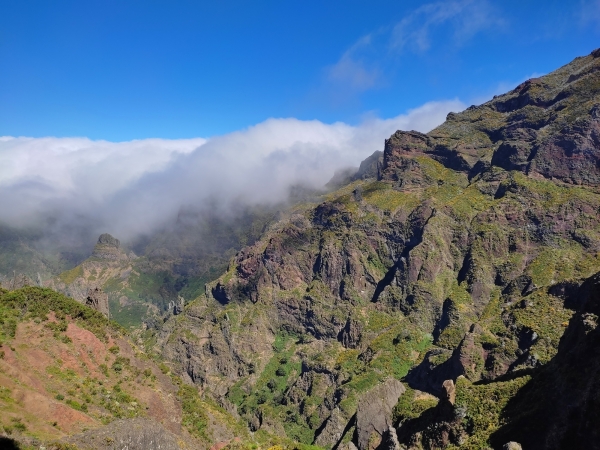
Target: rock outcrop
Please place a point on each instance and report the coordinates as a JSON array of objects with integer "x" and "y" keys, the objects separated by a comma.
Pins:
[
  {"x": 98, "y": 300},
  {"x": 109, "y": 248},
  {"x": 374, "y": 414}
]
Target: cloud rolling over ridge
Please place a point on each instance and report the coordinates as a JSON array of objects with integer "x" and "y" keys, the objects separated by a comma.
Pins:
[{"x": 132, "y": 188}]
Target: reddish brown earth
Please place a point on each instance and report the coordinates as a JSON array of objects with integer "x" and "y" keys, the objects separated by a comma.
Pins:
[{"x": 35, "y": 369}]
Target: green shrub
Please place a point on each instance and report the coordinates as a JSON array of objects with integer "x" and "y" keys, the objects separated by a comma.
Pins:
[
  {"x": 18, "y": 425},
  {"x": 194, "y": 418}
]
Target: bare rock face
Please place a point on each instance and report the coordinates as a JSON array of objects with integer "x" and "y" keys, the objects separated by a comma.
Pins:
[
  {"x": 130, "y": 434},
  {"x": 572, "y": 155},
  {"x": 374, "y": 413},
  {"x": 107, "y": 239},
  {"x": 449, "y": 391},
  {"x": 512, "y": 446},
  {"x": 109, "y": 248},
  {"x": 98, "y": 299},
  {"x": 333, "y": 430},
  {"x": 349, "y": 336},
  {"x": 370, "y": 167}
]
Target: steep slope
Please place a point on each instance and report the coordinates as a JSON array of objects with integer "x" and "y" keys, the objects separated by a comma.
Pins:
[
  {"x": 68, "y": 374},
  {"x": 454, "y": 264},
  {"x": 559, "y": 407}
]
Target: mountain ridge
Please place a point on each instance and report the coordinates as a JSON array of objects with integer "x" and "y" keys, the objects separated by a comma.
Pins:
[
  {"x": 433, "y": 300},
  {"x": 447, "y": 263}
]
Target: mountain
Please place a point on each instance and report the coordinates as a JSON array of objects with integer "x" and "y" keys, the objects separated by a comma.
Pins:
[
  {"x": 444, "y": 295},
  {"x": 451, "y": 269},
  {"x": 145, "y": 279}
]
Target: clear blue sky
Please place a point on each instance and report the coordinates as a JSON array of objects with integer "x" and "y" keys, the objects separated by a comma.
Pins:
[{"x": 121, "y": 70}]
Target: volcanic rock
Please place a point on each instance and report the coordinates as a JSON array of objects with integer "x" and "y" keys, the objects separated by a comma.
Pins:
[{"x": 374, "y": 413}]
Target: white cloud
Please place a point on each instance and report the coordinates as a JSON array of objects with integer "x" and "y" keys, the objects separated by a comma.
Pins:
[
  {"x": 466, "y": 18},
  {"x": 352, "y": 71},
  {"x": 129, "y": 188}
]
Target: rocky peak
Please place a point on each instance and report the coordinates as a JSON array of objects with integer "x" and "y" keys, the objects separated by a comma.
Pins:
[
  {"x": 546, "y": 127},
  {"x": 109, "y": 248},
  {"x": 108, "y": 240}
]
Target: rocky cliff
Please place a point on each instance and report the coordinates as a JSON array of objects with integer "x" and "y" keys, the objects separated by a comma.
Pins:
[{"x": 453, "y": 260}]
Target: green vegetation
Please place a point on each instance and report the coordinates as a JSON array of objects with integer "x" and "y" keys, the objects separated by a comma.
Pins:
[
  {"x": 71, "y": 275},
  {"x": 194, "y": 418},
  {"x": 481, "y": 406},
  {"x": 382, "y": 196},
  {"x": 34, "y": 302},
  {"x": 410, "y": 405}
]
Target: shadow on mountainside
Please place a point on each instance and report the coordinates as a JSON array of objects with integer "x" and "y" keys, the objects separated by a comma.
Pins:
[
  {"x": 8, "y": 444},
  {"x": 560, "y": 406}
]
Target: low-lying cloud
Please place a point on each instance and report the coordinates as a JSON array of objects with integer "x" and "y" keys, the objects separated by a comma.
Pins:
[{"x": 133, "y": 188}]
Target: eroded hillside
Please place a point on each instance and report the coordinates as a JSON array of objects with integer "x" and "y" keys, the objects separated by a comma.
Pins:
[{"x": 68, "y": 375}]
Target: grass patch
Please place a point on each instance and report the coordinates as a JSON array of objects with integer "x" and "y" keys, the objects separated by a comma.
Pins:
[{"x": 70, "y": 276}]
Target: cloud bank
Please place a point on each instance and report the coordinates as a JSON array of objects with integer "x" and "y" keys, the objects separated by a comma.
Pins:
[{"x": 133, "y": 188}]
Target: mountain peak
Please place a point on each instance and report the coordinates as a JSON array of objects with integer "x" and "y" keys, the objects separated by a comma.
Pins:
[
  {"x": 109, "y": 247},
  {"x": 546, "y": 127},
  {"x": 109, "y": 240}
]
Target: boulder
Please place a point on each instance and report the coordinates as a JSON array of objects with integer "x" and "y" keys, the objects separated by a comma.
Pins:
[
  {"x": 449, "y": 391},
  {"x": 512, "y": 446}
]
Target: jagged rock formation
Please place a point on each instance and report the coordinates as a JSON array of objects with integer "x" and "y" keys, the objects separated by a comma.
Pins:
[
  {"x": 109, "y": 248},
  {"x": 452, "y": 256},
  {"x": 98, "y": 300}
]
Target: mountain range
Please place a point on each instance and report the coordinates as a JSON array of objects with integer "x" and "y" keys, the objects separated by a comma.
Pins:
[{"x": 443, "y": 295}]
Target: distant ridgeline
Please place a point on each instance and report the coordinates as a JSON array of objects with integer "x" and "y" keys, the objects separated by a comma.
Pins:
[{"x": 145, "y": 279}]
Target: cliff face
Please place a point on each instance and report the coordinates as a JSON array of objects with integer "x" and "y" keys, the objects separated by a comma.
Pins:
[
  {"x": 546, "y": 127},
  {"x": 456, "y": 262}
]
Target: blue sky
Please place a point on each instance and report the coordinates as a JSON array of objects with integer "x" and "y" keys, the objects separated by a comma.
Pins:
[{"x": 122, "y": 70}]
